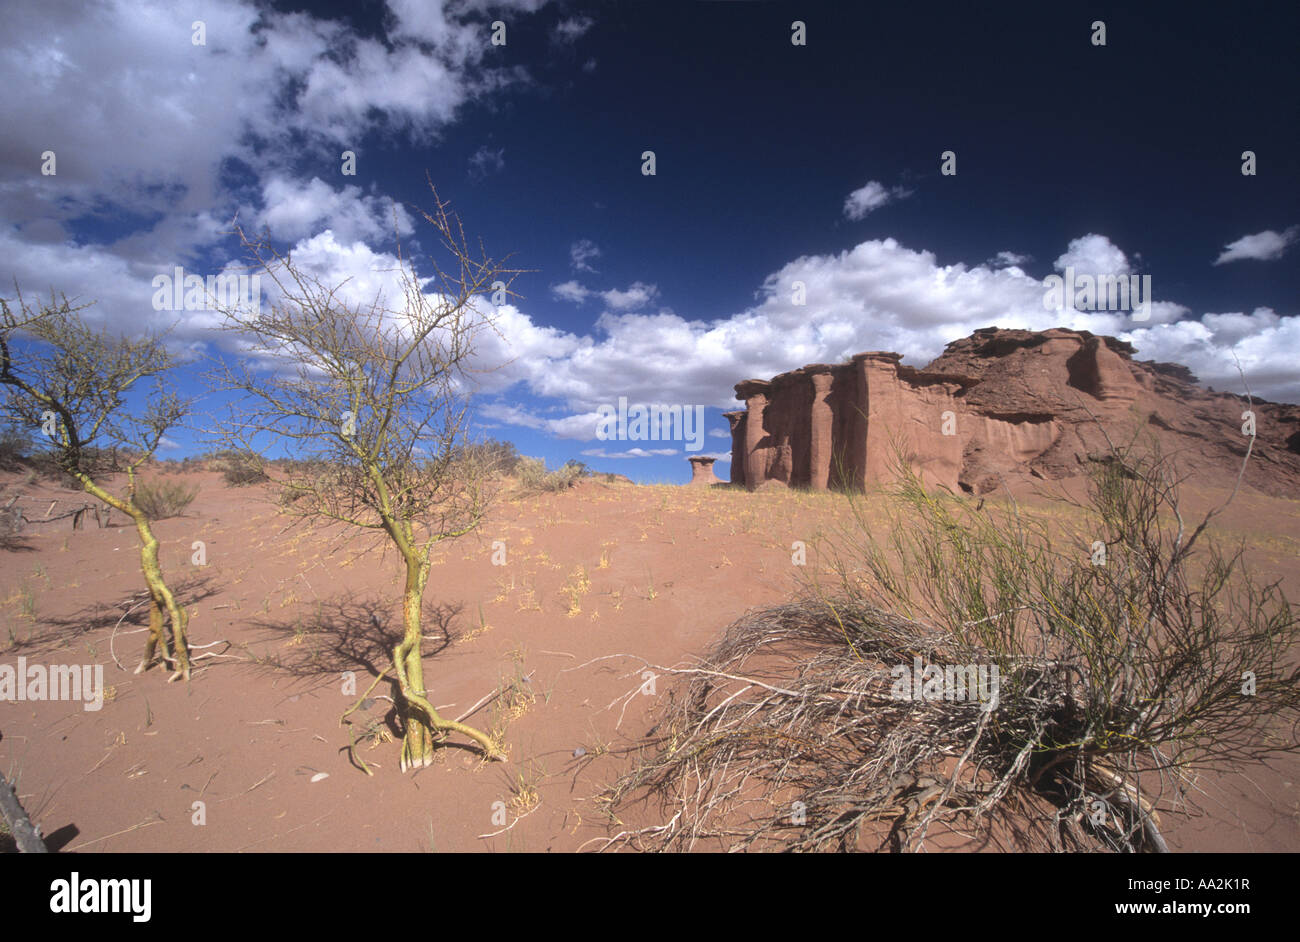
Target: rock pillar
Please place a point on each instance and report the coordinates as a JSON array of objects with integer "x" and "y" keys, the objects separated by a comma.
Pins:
[
  {"x": 702, "y": 472},
  {"x": 754, "y": 392},
  {"x": 860, "y": 409},
  {"x": 820, "y": 430},
  {"x": 737, "y": 420}
]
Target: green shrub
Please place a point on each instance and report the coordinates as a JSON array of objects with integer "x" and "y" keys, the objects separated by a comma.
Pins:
[{"x": 162, "y": 499}]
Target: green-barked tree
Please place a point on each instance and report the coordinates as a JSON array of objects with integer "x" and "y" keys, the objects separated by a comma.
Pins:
[
  {"x": 368, "y": 399},
  {"x": 70, "y": 383}
]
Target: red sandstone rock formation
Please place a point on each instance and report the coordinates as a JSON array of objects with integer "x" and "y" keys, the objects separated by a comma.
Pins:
[
  {"x": 998, "y": 405},
  {"x": 702, "y": 472}
]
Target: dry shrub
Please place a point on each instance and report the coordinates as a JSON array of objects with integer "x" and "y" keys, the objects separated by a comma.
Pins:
[
  {"x": 238, "y": 467},
  {"x": 15, "y": 447},
  {"x": 291, "y": 495},
  {"x": 162, "y": 499},
  {"x": 1119, "y": 678},
  {"x": 489, "y": 457},
  {"x": 97, "y": 462},
  {"x": 11, "y": 528},
  {"x": 534, "y": 478}
]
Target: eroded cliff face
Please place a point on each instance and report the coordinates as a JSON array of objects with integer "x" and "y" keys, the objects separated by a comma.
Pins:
[
  {"x": 998, "y": 405},
  {"x": 838, "y": 426}
]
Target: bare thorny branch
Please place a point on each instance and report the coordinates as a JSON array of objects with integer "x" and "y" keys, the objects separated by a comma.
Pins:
[
  {"x": 369, "y": 399},
  {"x": 72, "y": 382}
]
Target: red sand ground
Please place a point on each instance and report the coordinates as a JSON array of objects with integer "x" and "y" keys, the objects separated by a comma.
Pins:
[{"x": 604, "y": 569}]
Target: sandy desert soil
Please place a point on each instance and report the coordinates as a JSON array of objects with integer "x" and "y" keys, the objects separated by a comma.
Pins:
[{"x": 599, "y": 571}]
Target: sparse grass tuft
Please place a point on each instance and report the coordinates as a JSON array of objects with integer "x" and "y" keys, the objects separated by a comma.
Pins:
[
  {"x": 579, "y": 584},
  {"x": 524, "y": 790}
]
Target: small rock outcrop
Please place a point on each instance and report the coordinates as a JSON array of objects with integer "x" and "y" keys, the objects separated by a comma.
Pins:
[
  {"x": 998, "y": 405},
  {"x": 702, "y": 472}
]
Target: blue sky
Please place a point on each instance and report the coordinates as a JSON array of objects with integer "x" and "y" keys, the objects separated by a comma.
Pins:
[{"x": 775, "y": 163}]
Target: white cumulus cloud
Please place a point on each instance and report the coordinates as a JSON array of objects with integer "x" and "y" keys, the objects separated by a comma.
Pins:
[
  {"x": 879, "y": 295},
  {"x": 870, "y": 197},
  {"x": 636, "y": 296},
  {"x": 294, "y": 210},
  {"x": 571, "y": 291},
  {"x": 1262, "y": 246},
  {"x": 1093, "y": 255}
]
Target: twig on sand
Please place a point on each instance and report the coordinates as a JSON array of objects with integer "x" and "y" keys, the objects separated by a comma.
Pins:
[
  {"x": 135, "y": 827},
  {"x": 511, "y": 824}
]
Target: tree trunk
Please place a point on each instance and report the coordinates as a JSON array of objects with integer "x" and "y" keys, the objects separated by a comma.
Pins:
[
  {"x": 25, "y": 834},
  {"x": 156, "y": 639},
  {"x": 162, "y": 602},
  {"x": 422, "y": 722}
]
